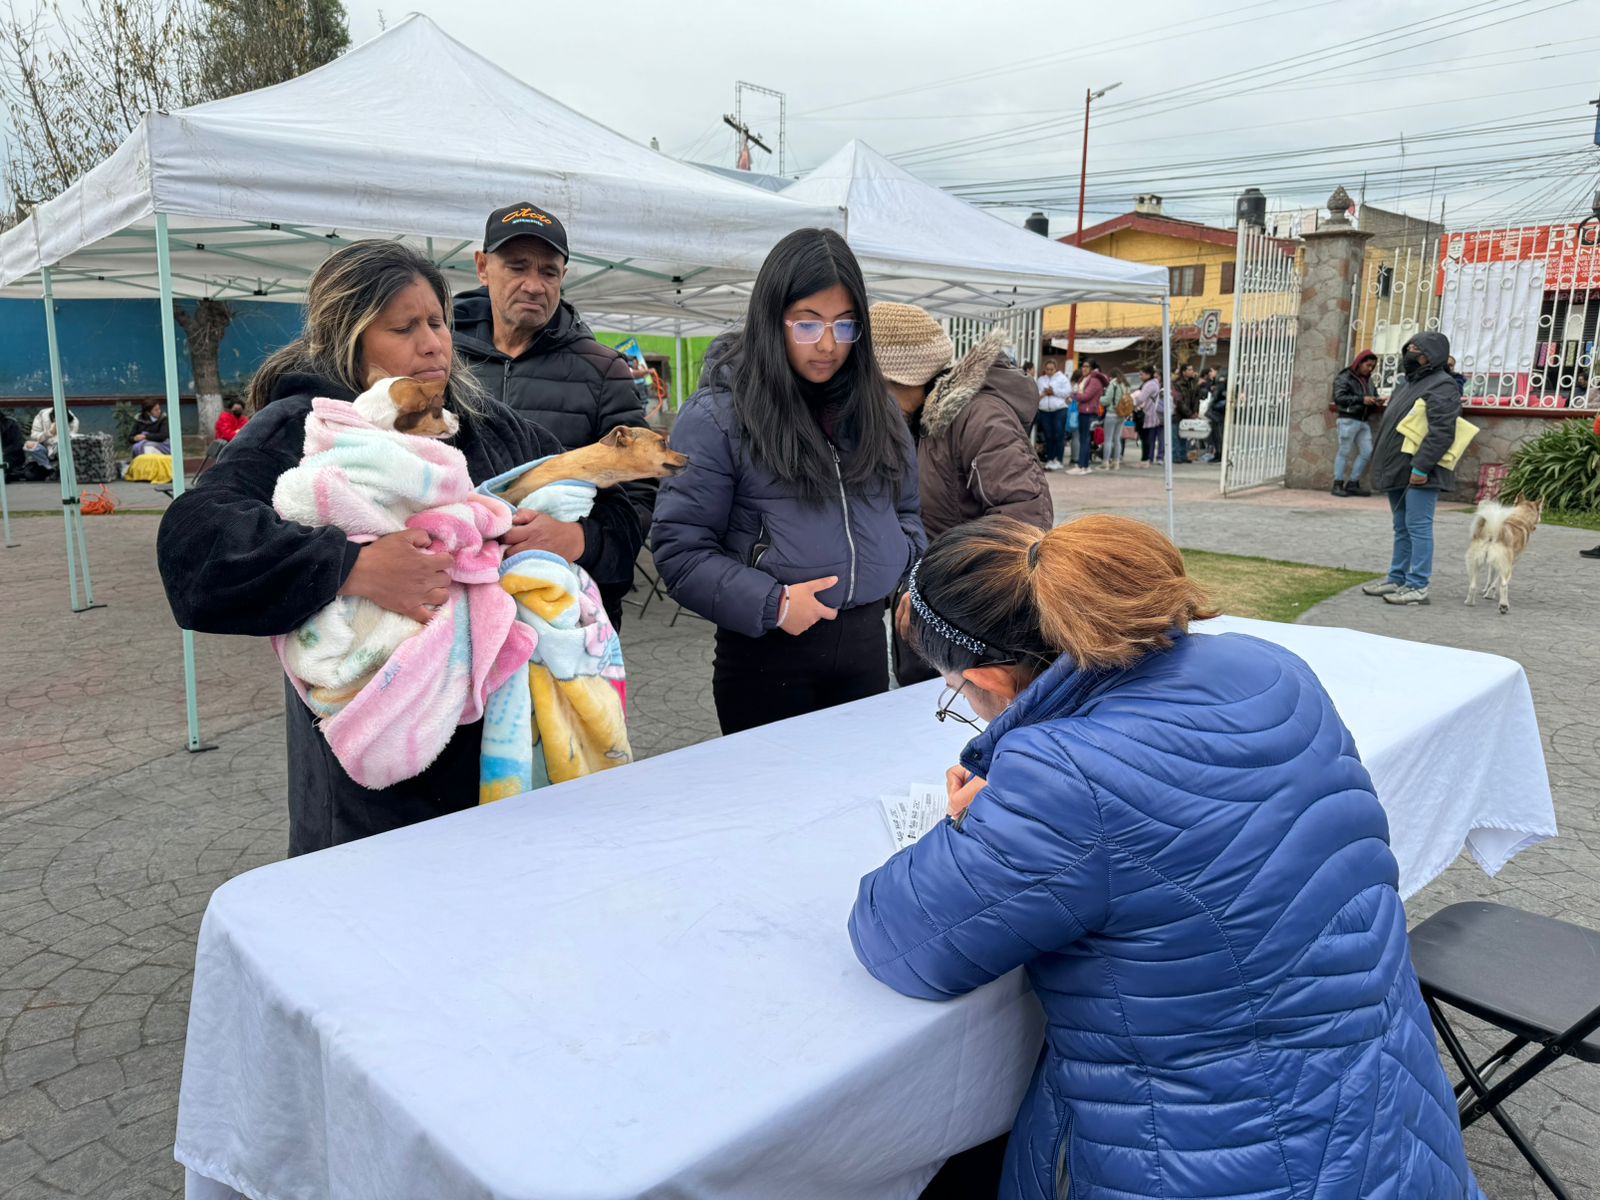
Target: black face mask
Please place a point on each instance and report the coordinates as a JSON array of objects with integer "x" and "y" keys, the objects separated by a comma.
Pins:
[{"x": 1411, "y": 363}]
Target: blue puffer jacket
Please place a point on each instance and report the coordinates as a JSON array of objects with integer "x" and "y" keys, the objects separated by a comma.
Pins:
[
  {"x": 729, "y": 533},
  {"x": 1188, "y": 857}
]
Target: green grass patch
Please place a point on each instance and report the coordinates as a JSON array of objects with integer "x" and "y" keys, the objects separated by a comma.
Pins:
[
  {"x": 1574, "y": 520},
  {"x": 1265, "y": 588}
]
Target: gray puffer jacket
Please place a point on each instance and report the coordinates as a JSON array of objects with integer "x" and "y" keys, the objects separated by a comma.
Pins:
[
  {"x": 1391, "y": 465},
  {"x": 729, "y": 533}
]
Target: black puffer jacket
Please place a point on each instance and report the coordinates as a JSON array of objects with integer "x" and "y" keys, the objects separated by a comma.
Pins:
[
  {"x": 230, "y": 564},
  {"x": 1391, "y": 465},
  {"x": 580, "y": 391}
]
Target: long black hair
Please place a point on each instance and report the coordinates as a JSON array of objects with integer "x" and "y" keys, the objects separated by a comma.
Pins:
[{"x": 771, "y": 402}]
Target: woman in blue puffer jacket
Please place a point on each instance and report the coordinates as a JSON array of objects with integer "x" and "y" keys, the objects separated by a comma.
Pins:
[
  {"x": 1173, "y": 833},
  {"x": 797, "y": 517}
]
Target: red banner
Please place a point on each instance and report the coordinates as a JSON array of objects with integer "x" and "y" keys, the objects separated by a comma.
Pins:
[{"x": 1571, "y": 264}]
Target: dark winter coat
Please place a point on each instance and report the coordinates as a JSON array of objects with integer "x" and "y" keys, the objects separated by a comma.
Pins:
[
  {"x": 1391, "y": 465},
  {"x": 1351, "y": 391},
  {"x": 1187, "y": 858},
  {"x": 973, "y": 454},
  {"x": 230, "y": 564},
  {"x": 729, "y": 533},
  {"x": 154, "y": 428},
  {"x": 579, "y": 390}
]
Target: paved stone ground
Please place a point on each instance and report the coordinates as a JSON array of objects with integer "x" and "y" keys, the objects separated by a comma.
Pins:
[{"x": 112, "y": 838}]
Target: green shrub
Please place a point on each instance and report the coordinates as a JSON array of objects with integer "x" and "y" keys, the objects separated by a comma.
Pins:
[
  {"x": 123, "y": 415},
  {"x": 1561, "y": 467}
]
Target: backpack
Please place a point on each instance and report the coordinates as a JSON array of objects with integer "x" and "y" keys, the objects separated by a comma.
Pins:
[{"x": 1125, "y": 406}]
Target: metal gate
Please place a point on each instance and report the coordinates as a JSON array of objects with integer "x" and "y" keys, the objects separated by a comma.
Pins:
[
  {"x": 1024, "y": 332},
  {"x": 1520, "y": 305},
  {"x": 1255, "y": 436}
]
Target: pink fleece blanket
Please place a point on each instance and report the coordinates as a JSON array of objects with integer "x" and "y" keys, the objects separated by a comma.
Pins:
[{"x": 413, "y": 684}]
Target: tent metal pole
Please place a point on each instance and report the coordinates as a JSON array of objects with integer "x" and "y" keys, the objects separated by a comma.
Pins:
[
  {"x": 169, "y": 359},
  {"x": 5, "y": 510},
  {"x": 678, "y": 368},
  {"x": 1166, "y": 407},
  {"x": 77, "y": 547}
]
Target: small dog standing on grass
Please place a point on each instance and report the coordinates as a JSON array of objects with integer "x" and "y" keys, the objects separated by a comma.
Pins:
[{"x": 1500, "y": 534}]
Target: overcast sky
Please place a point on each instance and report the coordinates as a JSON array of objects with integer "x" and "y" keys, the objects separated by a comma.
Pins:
[{"x": 1490, "y": 96}]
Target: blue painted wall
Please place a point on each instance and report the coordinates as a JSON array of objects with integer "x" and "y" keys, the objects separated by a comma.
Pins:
[{"x": 113, "y": 348}]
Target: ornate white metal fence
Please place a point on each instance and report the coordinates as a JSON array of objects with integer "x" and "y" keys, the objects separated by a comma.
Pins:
[
  {"x": 1024, "y": 333},
  {"x": 1521, "y": 307},
  {"x": 1255, "y": 441}
]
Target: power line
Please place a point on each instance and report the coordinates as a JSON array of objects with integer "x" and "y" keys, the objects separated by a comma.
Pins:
[{"x": 1229, "y": 85}]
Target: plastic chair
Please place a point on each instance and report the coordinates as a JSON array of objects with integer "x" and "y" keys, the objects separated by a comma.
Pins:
[{"x": 1534, "y": 977}]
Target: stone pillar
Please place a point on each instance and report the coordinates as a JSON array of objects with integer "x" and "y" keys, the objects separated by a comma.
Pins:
[{"x": 1333, "y": 259}]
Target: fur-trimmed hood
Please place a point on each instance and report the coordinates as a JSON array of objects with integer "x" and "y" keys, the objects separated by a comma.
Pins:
[{"x": 984, "y": 366}]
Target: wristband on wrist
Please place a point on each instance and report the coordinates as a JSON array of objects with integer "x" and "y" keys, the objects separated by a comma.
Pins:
[
  {"x": 783, "y": 605},
  {"x": 1419, "y": 474}
]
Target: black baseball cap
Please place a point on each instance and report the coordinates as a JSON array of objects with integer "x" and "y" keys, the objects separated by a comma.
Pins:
[{"x": 523, "y": 220}]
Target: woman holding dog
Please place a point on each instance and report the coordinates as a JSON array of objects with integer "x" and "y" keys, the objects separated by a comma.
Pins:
[
  {"x": 1172, "y": 833},
  {"x": 231, "y": 565},
  {"x": 797, "y": 516}
]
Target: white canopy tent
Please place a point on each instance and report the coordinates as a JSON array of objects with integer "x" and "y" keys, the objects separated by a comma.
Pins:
[
  {"x": 413, "y": 136},
  {"x": 410, "y": 135}
]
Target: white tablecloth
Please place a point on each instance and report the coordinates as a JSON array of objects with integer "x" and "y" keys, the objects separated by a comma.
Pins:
[{"x": 640, "y": 984}]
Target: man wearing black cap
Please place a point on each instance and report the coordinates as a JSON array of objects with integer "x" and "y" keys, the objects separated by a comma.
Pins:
[{"x": 530, "y": 349}]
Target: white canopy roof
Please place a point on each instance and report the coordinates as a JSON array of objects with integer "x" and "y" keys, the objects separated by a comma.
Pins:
[
  {"x": 919, "y": 244},
  {"x": 408, "y": 134}
]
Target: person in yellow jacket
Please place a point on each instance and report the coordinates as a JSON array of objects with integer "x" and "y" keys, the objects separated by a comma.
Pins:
[{"x": 1413, "y": 480}]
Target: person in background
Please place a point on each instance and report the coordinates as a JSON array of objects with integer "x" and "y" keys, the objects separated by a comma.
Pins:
[
  {"x": 1413, "y": 481},
  {"x": 644, "y": 382},
  {"x": 1171, "y": 834},
  {"x": 43, "y": 445},
  {"x": 798, "y": 515},
  {"x": 1030, "y": 370},
  {"x": 1055, "y": 394},
  {"x": 1116, "y": 396},
  {"x": 1091, "y": 392},
  {"x": 1355, "y": 401},
  {"x": 150, "y": 433},
  {"x": 1217, "y": 414},
  {"x": 531, "y": 350},
  {"x": 1461, "y": 380},
  {"x": 231, "y": 420},
  {"x": 1075, "y": 428},
  {"x": 1186, "y": 406},
  {"x": 1152, "y": 418},
  {"x": 230, "y": 564},
  {"x": 970, "y": 424}
]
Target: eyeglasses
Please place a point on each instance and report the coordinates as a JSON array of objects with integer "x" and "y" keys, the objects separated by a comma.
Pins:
[
  {"x": 809, "y": 333},
  {"x": 946, "y": 709}
]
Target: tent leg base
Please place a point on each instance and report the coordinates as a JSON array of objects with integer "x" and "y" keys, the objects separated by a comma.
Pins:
[
  {"x": 88, "y": 608},
  {"x": 200, "y": 748}
]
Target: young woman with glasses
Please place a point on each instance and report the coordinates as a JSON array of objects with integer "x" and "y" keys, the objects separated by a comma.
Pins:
[
  {"x": 1172, "y": 832},
  {"x": 797, "y": 516}
]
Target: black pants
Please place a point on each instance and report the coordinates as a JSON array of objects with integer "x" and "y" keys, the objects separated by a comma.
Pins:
[{"x": 756, "y": 681}]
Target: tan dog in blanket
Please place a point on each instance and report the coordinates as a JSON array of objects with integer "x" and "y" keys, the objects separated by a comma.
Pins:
[
  {"x": 627, "y": 453},
  {"x": 1500, "y": 534}
]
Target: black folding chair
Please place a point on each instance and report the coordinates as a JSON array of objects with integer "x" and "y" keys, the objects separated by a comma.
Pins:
[
  {"x": 654, "y": 589},
  {"x": 1534, "y": 977}
]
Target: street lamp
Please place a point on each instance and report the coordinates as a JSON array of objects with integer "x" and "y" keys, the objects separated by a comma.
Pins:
[{"x": 1089, "y": 97}]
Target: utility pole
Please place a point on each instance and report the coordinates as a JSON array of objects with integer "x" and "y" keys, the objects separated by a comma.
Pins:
[
  {"x": 740, "y": 87},
  {"x": 1089, "y": 97},
  {"x": 746, "y": 140}
]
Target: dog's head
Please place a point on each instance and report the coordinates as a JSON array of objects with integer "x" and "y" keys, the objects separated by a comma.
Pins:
[
  {"x": 645, "y": 451},
  {"x": 409, "y": 406},
  {"x": 1532, "y": 509}
]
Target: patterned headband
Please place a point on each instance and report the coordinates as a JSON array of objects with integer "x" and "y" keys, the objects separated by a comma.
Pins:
[{"x": 937, "y": 623}]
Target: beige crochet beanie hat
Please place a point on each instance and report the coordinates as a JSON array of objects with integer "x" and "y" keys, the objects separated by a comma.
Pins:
[{"x": 911, "y": 346}]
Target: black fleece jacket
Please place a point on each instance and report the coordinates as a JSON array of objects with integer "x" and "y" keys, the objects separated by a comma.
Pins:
[
  {"x": 230, "y": 564},
  {"x": 580, "y": 391}
]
